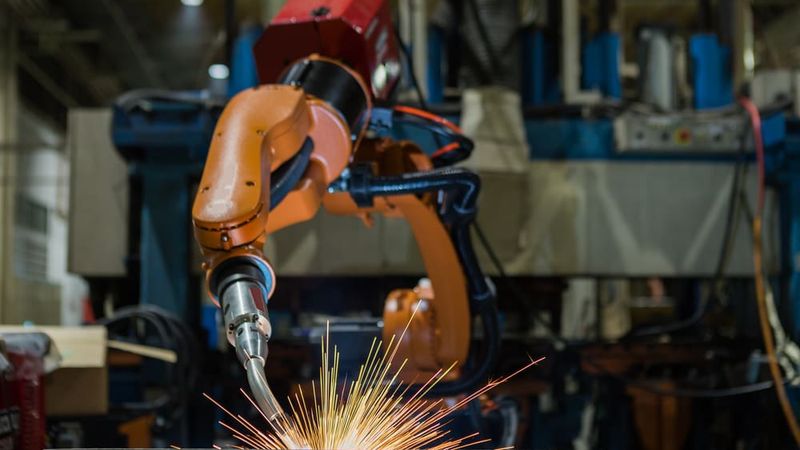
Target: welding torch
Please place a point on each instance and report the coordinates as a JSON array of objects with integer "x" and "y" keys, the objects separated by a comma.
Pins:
[{"x": 242, "y": 288}]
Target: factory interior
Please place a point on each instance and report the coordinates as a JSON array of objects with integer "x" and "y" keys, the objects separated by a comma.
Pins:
[{"x": 400, "y": 224}]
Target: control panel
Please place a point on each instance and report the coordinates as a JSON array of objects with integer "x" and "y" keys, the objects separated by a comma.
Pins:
[{"x": 697, "y": 132}]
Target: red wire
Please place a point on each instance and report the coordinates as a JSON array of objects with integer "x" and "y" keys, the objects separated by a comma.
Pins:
[
  {"x": 430, "y": 116},
  {"x": 755, "y": 121},
  {"x": 759, "y": 277},
  {"x": 437, "y": 119},
  {"x": 445, "y": 149}
]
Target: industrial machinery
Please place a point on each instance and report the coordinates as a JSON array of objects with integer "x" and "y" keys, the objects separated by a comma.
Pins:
[
  {"x": 311, "y": 137},
  {"x": 630, "y": 181}
]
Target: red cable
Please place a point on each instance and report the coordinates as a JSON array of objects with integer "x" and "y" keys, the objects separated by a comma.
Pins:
[
  {"x": 761, "y": 282},
  {"x": 430, "y": 116},
  {"x": 755, "y": 121},
  {"x": 436, "y": 119},
  {"x": 446, "y": 149}
]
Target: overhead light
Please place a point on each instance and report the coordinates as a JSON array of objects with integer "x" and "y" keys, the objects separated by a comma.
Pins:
[
  {"x": 218, "y": 71},
  {"x": 192, "y": 2}
]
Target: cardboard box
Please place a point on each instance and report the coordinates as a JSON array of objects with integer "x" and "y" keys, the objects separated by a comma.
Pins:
[{"x": 79, "y": 384}]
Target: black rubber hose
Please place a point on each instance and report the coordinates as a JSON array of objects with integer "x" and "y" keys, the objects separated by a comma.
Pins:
[
  {"x": 479, "y": 288},
  {"x": 463, "y": 183},
  {"x": 441, "y": 134},
  {"x": 483, "y": 299},
  {"x": 458, "y": 210},
  {"x": 473, "y": 376},
  {"x": 286, "y": 177}
]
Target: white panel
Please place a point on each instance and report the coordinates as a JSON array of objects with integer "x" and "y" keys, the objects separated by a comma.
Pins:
[
  {"x": 557, "y": 218},
  {"x": 624, "y": 218},
  {"x": 99, "y": 196}
]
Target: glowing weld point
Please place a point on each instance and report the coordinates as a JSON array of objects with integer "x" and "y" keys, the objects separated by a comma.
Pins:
[{"x": 373, "y": 410}]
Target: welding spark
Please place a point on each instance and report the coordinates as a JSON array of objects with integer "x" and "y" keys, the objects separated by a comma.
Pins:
[{"x": 377, "y": 411}]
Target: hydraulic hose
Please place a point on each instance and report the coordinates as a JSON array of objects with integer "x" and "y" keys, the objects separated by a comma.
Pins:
[
  {"x": 283, "y": 180},
  {"x": 463, "y": 183},
  {"x": 479, "y": 374},
  {"x": 480, "y": 291},
  {"x": 458, "y": 210}
]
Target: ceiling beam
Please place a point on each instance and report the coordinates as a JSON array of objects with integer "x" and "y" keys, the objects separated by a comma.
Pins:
[
  {"x": 71, "y": 58},
  {"x": 139, "y": 52},
  {"x": 46, "y": 81}
]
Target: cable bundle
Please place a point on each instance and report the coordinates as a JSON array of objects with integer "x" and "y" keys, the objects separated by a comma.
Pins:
[{"x": 150, "y": 325}]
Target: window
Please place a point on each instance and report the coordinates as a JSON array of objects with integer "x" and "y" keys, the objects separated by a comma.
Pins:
[{"x": 30, "y": 239}]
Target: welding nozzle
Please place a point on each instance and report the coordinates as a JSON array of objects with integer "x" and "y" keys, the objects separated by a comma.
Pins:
[
  {"x": 246, "y": 320},
  {"x": 262, "y": 394},
  {"x": 242, "y": 292}
]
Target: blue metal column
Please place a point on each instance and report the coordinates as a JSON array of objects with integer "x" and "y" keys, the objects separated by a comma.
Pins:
[
  {"x": 165, "y": 236},
  {"x": 165, "y": 141},
  {"x": 532, "y": 84},
  {"x": 711, "y": 72},
  {"x": 600, "y": 61},
  {"x": 434, "y": 78},
  {"x": 539, "y": 83}
]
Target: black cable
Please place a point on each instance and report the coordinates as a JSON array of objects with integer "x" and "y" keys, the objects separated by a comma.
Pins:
[
  {"x": 477, "y": 370},
  {"x": 684, "y": 392},
  {"x": 738, "y": 198},
  {"x": 441, "y": 134},
  {"x": 181, "y": 377},
  {"x": 701, "y": 393},
  {"x": 731, "y": 222},
  {"x": 457, "y": 209},
  {"x": 509, "y": 282},
  {"x": 187, "y": 341},
  {"x": 286, "y": 177},
  {"x": 437, "y": 129},
  {"x": 654, "y": 388},
  {"x": 490, "y": 251}
]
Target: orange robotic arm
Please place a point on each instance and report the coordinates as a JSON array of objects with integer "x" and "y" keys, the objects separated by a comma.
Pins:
[
  {"x": 277, "y": 154},
  {"x": 274, "y": 151}
]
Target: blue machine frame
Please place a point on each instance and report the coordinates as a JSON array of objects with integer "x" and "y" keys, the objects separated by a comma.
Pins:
[
  {"x": 593, "y": 139},
  {"x": 164, "y": 137},
  {"x": 165, "y": 143}
]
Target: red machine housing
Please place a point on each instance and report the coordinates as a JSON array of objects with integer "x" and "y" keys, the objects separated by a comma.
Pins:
[
  {"x": 22, "y": 414},
  {"x": 355, "y": 32}
]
